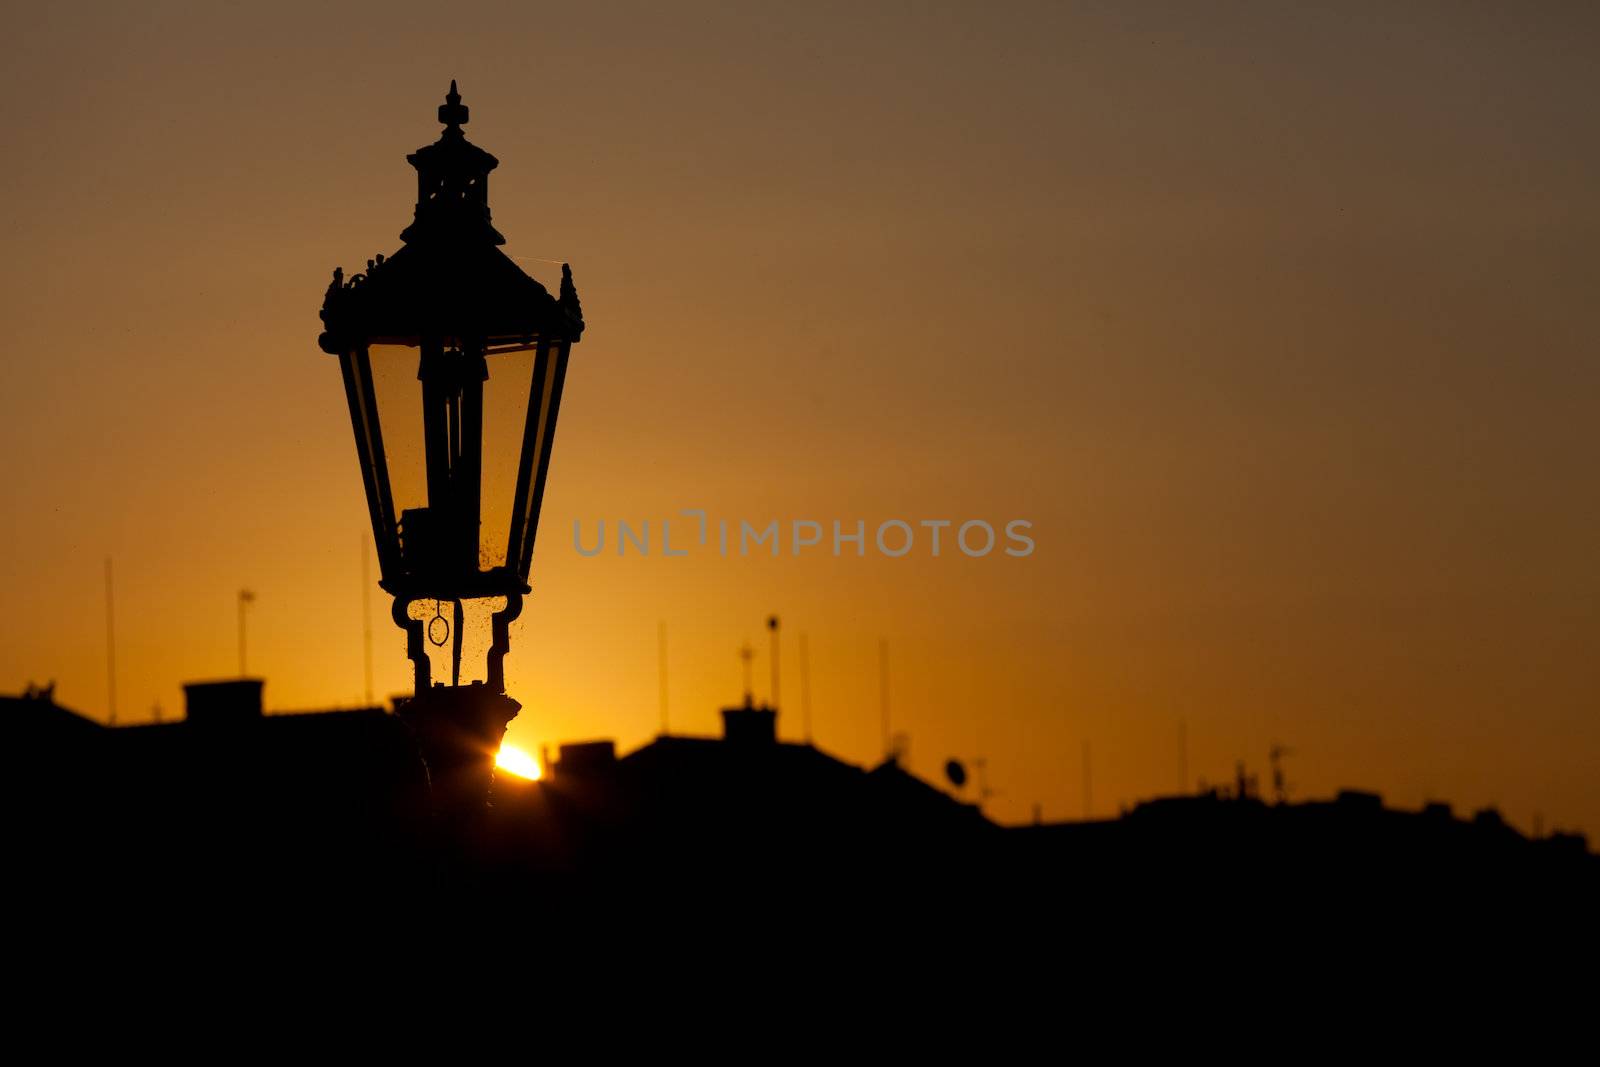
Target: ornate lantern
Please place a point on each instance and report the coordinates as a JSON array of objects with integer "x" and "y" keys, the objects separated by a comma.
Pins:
[{"x": 453, "y": 361}]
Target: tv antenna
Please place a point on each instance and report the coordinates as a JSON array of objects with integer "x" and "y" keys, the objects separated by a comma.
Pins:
[
  {"x": 772, "y": 628},
  {"x": 246, "y": 598},
  {"x": 746, "y": 654},
  {"x": 1280, "y": 787}
]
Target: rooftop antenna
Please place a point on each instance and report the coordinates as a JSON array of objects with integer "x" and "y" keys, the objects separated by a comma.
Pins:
[
  {"x": 661, "y": 666},
  {"x": 805, "y": 689},
  {"x": 111, "y": 651},
  {"x": 366, "y": 620},
  {"x": 1244, "y": 784},
  {"x": 772, "y": 628},
  {"x": 155, "y": 711},
  {"x": 1280, "y": 787},
  {"x": 246, "y": 598},
  {"x": 746, "y": 654},
  {"x": 883, "y": 695}
]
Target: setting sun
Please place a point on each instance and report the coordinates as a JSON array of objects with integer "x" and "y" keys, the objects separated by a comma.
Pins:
[{"x": 514, "y": 760}]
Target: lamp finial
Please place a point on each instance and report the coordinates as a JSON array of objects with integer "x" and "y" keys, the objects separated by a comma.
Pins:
[{"x": 453, "y": 113}]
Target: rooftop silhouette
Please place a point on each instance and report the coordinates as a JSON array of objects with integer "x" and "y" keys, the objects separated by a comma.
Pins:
[{"x": 230, "y": 804}]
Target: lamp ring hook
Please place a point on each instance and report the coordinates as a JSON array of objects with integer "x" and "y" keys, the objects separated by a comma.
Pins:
[{"x": 438, "y": 626}]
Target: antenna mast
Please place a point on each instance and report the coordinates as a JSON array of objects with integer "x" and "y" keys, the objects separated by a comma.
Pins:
[
  {"x": 746, "y": 654},
  {"x": 246, "y": 597},
  {"x": 772, "y": 627},
  {"x": 1280, "y": 785}
]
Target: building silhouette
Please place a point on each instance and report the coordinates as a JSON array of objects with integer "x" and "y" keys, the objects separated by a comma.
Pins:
[{"x": 230, "y": 807}]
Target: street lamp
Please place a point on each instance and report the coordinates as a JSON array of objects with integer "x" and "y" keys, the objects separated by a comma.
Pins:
[{"x": 453, "y": 361}]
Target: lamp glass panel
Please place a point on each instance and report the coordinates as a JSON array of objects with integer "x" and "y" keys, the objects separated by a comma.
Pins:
[
  {"x": 358, "y": 388},
  {"x": 399, "y": 398},
  {"x": 505, "y": 406},
  {"x": 540, "y": 431}
]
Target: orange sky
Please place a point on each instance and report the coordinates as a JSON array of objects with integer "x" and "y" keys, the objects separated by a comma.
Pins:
[{"x": 1278, "y": 325}]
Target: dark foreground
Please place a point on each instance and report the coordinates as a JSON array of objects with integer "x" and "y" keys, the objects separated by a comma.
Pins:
[{"x": 227, "y": 828}]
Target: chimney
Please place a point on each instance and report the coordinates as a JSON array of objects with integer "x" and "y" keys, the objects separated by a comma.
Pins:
[
  {"x": 223, "y": 703},
  {"x": 750, "y": 726}
]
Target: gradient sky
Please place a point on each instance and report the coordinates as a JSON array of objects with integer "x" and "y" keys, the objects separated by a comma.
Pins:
[{"x": 1276, "y": 323}]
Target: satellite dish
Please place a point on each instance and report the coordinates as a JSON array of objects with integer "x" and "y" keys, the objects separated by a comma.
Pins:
[{"x": 957, "y": 773}]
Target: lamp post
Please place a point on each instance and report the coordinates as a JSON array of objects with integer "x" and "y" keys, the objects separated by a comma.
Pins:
[{"x": 453, "y": 361}]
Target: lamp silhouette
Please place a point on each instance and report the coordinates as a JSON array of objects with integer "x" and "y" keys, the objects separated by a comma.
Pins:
[{"x": 453, "y": 362}]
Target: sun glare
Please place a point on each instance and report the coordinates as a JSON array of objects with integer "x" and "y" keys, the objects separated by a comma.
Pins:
[{"x": 514, "y": 760}]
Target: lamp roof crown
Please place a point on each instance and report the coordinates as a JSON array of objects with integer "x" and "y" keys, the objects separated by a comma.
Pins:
[{"x": 450, "y": 279}]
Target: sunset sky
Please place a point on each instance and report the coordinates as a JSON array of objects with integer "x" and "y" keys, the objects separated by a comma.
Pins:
[{"x": 1277, "y": 324}]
